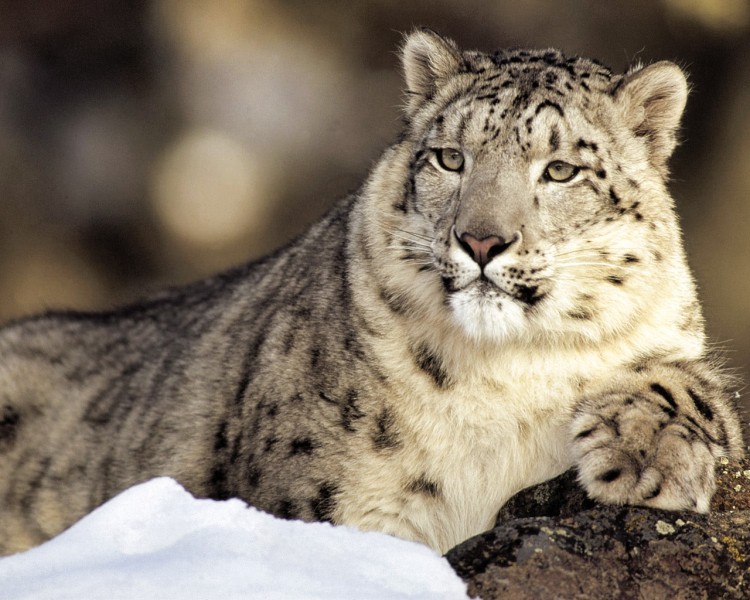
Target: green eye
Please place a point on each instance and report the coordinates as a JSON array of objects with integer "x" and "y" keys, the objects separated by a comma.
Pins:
[
  {"x": 560, "y": 171},
  {"x": 450, "y": 159}
]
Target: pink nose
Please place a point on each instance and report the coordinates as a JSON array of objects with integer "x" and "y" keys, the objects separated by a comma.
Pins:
[{"x": 484, "y": 250}]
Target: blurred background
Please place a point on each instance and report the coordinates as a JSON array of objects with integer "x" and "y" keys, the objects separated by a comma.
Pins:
[{"x": 151, "y": 142}]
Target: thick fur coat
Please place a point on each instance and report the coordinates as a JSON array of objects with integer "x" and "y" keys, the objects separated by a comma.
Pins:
[{"x": 505, "y": 297}]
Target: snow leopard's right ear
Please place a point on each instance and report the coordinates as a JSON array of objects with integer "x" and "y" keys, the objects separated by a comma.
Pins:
[
  {"x": 652, "y": 99},
  {"x": 428, "y": 59}
]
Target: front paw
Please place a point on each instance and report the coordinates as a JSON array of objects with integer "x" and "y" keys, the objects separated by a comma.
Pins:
[{"x": 642, "y": 448}]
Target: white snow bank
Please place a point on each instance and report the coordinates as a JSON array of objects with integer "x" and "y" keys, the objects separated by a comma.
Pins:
[{"x": 155, "y": 541}]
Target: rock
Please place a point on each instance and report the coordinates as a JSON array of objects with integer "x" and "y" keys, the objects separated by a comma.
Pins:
[{"x": 553, "y": 542}]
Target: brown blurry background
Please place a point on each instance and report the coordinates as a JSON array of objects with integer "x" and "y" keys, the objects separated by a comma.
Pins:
[{"x": 151, "y": 142}]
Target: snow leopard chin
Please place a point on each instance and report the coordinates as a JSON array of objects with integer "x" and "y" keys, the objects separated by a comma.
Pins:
[{"x": 488, "y": 319}]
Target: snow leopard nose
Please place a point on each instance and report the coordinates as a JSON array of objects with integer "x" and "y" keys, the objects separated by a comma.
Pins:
[{"x": 484, "y": 250}]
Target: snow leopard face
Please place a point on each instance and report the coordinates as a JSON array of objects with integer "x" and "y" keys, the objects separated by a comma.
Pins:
[{"x": 535, "y": 191}]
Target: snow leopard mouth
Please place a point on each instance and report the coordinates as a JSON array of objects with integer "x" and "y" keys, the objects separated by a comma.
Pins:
[{"x": 528, "y": 295}]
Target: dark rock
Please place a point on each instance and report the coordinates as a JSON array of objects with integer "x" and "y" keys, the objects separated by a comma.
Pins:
[
  {"x": 552, "y": 542},
  {"x": 558, "y": 497}
]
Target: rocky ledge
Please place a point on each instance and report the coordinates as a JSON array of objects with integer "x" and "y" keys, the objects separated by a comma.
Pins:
[{"x": 552, "y": 542}]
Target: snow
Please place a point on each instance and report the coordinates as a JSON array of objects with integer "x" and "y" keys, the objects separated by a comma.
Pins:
[{"x": 156, "y": 541}]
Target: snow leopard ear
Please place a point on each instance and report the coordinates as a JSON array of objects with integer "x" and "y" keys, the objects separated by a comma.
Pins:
[
  {"x": 653, "y": 99},
  {"x": 428, "y": 59}
]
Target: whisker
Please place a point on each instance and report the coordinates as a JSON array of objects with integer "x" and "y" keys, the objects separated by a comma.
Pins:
[
  {"x": 416, "y": 246},
  {"x": 422, "y": 254},
  {"x": 406, "y": 234},
  {"x": 603, "y": 265},
  {"x": 411, "y": 247},
  {"x": 596, "y": 253},
  {"x": 582, "y": 278},
  {"x": 416, "y": 234},
  {"x": 415, "y": 242},
  {"x": 421, "y": 262}
]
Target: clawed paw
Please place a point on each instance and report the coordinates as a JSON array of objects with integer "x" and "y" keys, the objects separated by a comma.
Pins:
[{"x": 629, "y": 450}]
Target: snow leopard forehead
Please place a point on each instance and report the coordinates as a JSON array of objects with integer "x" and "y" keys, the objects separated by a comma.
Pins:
[
  {"x": 555, "y": 68},
  {"x": 510, "y": 83}
]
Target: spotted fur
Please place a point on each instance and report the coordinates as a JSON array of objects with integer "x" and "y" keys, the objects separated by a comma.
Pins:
[{"x": 467, "y": 324}]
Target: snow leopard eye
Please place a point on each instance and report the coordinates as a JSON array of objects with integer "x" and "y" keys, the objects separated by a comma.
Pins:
[
  {"x": 560, "y": 171},
  {"x": 450, "y": 159}
]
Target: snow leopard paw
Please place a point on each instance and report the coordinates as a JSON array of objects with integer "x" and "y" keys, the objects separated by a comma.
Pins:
[{"x": 655, "y": 445}]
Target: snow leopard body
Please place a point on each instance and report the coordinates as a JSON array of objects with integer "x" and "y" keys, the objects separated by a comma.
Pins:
[{"x": 506, "y": 297}]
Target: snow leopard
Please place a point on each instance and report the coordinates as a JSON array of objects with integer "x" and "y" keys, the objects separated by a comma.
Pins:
[{"x": 505, "y": 298}]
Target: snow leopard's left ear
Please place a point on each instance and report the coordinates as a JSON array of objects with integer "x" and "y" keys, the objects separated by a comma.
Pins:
[
  {"x": 653, "y": 99},
  {"x": 428, "y": 60}
]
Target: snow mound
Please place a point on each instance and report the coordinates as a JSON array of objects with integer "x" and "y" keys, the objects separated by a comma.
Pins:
[{"x": 155, "y": 540}]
